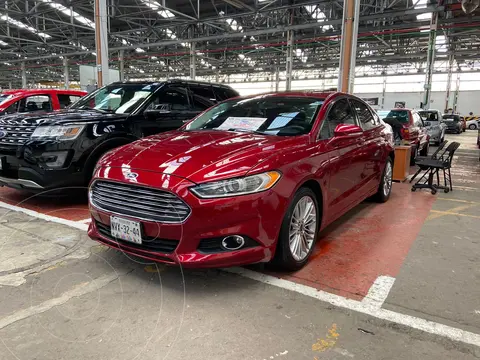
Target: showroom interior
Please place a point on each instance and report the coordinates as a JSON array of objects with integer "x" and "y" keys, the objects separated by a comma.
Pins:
[{"x": 239, "y": 179}]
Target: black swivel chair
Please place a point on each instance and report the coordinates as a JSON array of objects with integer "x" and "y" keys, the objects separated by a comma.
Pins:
[{"x": 433, "y": 167}]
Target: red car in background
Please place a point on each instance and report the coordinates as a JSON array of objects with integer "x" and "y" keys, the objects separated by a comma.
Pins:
[
  {"x": 20, "y": 101},
  {"x": 252, "y": 179},
  {"x": 413, "y": 130}
]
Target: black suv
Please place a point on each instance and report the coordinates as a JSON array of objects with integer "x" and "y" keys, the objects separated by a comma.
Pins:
[{"x": 60, "y": 149}]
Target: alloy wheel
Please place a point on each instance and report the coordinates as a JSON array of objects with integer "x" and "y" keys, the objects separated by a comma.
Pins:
[
  {"x": 388, "y": 179},
  {"x": 303, "y": 226}
]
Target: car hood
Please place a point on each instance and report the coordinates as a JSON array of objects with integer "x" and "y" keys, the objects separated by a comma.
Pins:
[
  {"x": 58, "y": 117},
  {"x": 200, "y": 156}
]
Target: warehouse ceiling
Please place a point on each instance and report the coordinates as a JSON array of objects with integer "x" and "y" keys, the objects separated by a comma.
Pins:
[{"x": 229, "y": 36}]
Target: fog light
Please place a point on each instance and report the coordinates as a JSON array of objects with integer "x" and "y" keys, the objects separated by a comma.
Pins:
[
  {"x": 233, "y": 242},
  {"x": 54, "y": 159}
]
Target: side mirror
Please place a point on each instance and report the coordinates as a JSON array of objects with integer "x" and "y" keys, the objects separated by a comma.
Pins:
[
  {"x": 347, "y": 131},
  {"x": 427, "y": 123}
]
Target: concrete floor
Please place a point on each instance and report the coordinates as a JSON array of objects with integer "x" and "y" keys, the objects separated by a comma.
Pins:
[{"x": 63, "y": 296}]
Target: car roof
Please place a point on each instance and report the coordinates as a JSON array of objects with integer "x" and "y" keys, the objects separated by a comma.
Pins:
[
  {"x": 173, "y": 81},
  {"x": 299, "y": 93},
  {"x": 19, "y": 92}
]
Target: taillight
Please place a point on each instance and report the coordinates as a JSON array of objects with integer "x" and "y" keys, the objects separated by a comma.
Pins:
[{"x": 405, "y": 133}]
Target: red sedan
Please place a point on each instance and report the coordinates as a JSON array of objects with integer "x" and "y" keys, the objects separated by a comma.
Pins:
[{"x": 250, "y": 180}]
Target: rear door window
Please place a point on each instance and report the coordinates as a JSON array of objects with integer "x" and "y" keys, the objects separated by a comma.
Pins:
[
  {"x": 417, "y": 120},
  {"x": 367, "y": 121},
  {"x": 204, "y": 91},
  {"x": 36, "y": 103},
  {"x": 67, "y": 100},
  {"x": 224, "y": 93}
]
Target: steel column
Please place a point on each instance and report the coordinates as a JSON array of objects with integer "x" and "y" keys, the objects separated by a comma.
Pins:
[
  {"x": 66, "y": 74},
  {"x": 457, "y": 92},
  {"x": 384, "y": 91},
  {"x": 289, "y": 63},
  {"x": 430, "y": 60},
  {"x": 348, "y": 46},
  {"x": 193, "y": 61},
  {"x": 24, "y": 75},
  {"x": 277, "y": 79},
  {"x": 121, "y": 65},
  {"x": 101, "y": 42},
  {"x": 449, "y": 81}
]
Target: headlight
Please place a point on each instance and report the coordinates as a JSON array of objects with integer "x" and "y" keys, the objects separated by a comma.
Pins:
[
  {"x": 239, "y": 186},
  {"x": 69, "y": 132}
]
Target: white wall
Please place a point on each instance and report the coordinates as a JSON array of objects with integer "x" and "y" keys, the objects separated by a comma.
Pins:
[
  {"x": 88, "y": 76},
  {"x": 468, "y": 101}
]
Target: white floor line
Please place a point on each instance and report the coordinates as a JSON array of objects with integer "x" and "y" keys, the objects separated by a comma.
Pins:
[
  {"x": 85, "y": 221},
  {"x": 365, "y": 308},
  {"x": 378, "y": 292},
  {"x": 39, "y": 215}
]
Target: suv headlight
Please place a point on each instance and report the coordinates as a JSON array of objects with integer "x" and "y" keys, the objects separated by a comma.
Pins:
[
  {"x": 238, "y": 186},
  {"x": 60, "y": 132}
]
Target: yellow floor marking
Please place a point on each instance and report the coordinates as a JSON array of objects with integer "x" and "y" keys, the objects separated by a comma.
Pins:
[
  {"x": 154, "y": 268},
  {"x": 444, "y": 213},
  {"x": 461, "y": 201},
  {"x": 435, "y": 214},
  {"x": 331, "y": 339}
]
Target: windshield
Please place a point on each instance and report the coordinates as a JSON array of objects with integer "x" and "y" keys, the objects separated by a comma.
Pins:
[
  {"x": 428, "y": 115},
  {"x": 116, "y": 98},
  {"x": 4, "y": 98},
  {"x": 273, "y": 115},
  {"x": 400, "y": 115}
]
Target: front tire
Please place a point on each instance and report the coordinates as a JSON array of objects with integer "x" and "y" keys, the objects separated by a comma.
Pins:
[
  {"x": 385, "y": 187},
  {"x": 472, "y": 127},
  {"x": 299, "y": 231}
]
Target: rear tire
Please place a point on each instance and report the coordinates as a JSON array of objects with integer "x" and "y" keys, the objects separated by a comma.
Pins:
[
  {"x": 472, "y": 127},
  {"x": 285, "y": 257}
]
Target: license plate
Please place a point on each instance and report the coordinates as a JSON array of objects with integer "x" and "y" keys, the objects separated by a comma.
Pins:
[{"x": 124, "y": 229}]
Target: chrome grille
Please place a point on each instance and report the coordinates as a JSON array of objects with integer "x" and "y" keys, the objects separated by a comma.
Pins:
[
  {"x": 16, "y": 134},
  {"x": 138, "y": 201}
]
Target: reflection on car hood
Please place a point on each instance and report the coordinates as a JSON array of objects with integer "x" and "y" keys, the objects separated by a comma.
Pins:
[
  {"x": 58, "y": 117},
  {"x": 200, "y": 156}
]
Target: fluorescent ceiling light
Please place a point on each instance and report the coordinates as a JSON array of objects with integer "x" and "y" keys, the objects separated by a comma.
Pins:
[
  {"x": 69, "y": 12},
  {"x": 21, "y": 25},
  {"x": 7, "y": 63},
  {"x": 3, "y": 43}
]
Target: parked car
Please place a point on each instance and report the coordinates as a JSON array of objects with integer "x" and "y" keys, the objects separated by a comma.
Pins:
[
  {"x": 251, "y": 180},
  {"x": 413, "y": 131},
  {"x": 453, "y": 123},
  {"x": 473, "y": 124},
  {"x": 433, "y": 121},
  {"x": 46, "y": 100},
  {"x": 46, "y": 151}
]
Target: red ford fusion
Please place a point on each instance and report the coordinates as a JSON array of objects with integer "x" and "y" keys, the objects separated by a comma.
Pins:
[{"x": 250, "y": 180}]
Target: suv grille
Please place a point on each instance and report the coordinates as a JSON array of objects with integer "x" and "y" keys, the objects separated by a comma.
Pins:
[
  {"x": 139, "y": 202},
  {"x": 16, "y": 134}
]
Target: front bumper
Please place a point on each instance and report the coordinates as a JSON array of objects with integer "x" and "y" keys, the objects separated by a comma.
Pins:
[
  {"x": 22, "y": 168},
  {"x": 256, "y": 217}
]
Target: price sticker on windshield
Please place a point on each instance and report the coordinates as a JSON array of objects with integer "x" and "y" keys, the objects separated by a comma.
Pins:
[{"x": 242, "y": 123}]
